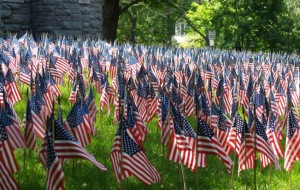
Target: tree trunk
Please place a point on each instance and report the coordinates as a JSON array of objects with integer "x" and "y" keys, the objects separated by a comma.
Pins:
[
  {"x": 133, "y": 27},
  {"x": 170, "y": 29},
  {"x": 111, "y": 13}
]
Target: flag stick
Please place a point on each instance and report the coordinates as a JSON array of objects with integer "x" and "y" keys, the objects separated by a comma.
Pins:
[
  {"x": 233, "y": 164},
  {"x": 254, "y": 120},
  {"x": 121, "y": 115},
  {"x": 181, "y": 164},
  {"x": 290, "y": 177},
  {"x": 196, "y": 144}
]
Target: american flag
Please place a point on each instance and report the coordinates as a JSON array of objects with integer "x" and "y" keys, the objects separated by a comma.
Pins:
[
  {"x": 66, "y": 146},
  {"x": 294, "y": 95},
  {"x": 204, "y": 108},
  {"x": 24, "y": 75},
  {"x": 182, "y": 144},
  {"x": 214, "y": 120},
  {"x": 241, "y": 142},
  {"x": 104, "y": 100},
  {"x": 263, "y": 146},
  {"x": 183, "y": 88},
  {"x": 259, "y": 105},
  {"x": 153, "y": 81},
  {"x": 96, "y": 81},
  {"x": 224, "y": 125},
  {"x": 38, "y": 123},
  {"x": 136, "y": 126},
  {"x": 274, "y": 137},
  {"x": 280, "y": 99},
  {"x": 2, "y": 96},
  {"x": 113, "y": 68},
  {"x": 58, "y": 76},
  {"x": 11, "y": 88},
  {"x": 207, "y": 143},
  {"x": 141, "y": 98},
  {"x": 242, "y": 92},
  {"x": 92, "y": 108},
  {"x": 274, "y": 107},
  {"x": 75, "y": 125},
  {"x": 42, "y": 104},
  {"x": 62, "y": 65},
  {"x": 189, "y": 100},
  {"x": 165, "y": 121},
  {"x": 29, "y": 135},
  {"x": 219, "y": 90},
  {"x": 134, "y": 161},
  {"x": 250, "y": 86},
  {"x": 7, "y": 180},
  {"x": 55, "y": 174},
  {"x": 47, "y": 94},
  {"x": 151, "y": 103},
  {"x": 53, "y": 86},
  {"x": 6, "y": 149},
  {"x": 86, "y": 117},
  {"x": 292, "y": 152},
  {"x": 176, "y": 98},
  {"x": 74, "y": 92},
  {"x": 13, "y": 131}
]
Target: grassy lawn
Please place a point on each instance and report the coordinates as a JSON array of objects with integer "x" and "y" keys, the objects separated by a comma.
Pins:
[{"x": 81, "y": 174}]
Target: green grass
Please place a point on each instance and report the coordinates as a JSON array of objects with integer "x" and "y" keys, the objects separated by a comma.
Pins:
[{"x": 81, "y": 174}]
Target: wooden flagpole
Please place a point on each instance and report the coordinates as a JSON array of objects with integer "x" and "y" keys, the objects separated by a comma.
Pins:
[
  {"x": 254, "y": 129},
  {"x": 232, "y": 169}
]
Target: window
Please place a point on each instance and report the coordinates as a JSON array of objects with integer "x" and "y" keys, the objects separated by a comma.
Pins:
[{"x": 180, "y": 28}]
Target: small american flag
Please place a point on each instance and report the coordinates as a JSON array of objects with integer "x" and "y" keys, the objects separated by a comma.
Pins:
[
  {"x": 182, "y": 144},
  {"x": 92, "y": 108},
  {"x": 66, "y": 146},
  {"x": 30, "y": 135},
  {"x": 263, "y": 146},
  {"x": 104, "y": 100},
  {"x": 6, "y": 149},
  {"x": 134, "y": 161},
  {"x": 74, "y": 92},
  {"x": 75, "y": 125},
  {"x": 6, "y": 178},
  {"x": 274, "y": 107},
  {"x": 55, "y": 174},
  {"x": 11, "y": 87},
  {"x": 241, "y": 142},
  {"x": 136, "y": 126},
  {"x": 273, "y": 126},
  {"x": 38, "y": 123},
  {"x": 189, "y": 100},
  {"x": 292, "y": 152},
  {"x": 165, "y": 121},
  {"x": 13, "y": 131},
  {"x": 207, "y": 143}
]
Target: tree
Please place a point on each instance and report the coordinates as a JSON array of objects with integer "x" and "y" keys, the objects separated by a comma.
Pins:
[
  {"x": 247, "y": 25},
  {"x": 166, "y": 9}
]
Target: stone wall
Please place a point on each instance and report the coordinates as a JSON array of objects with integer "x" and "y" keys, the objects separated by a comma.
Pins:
[
  {"x": 15, "y": 15},
  {"x": 71, "y": 17}
]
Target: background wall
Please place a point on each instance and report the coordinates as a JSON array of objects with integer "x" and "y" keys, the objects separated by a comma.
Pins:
[{"x": 71, "y": 17}]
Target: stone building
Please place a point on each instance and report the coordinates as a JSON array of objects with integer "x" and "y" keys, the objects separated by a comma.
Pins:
[{"x": 69, "y": 17}]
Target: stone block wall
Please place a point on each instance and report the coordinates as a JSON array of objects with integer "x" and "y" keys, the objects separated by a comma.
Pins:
[
  {"x": 70, "y": 17},
  {"x": 15, "y": 15}
]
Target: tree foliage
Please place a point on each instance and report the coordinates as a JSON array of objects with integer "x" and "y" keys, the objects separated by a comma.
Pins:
[
  {"x": 249, "y": 25},
  {"x": 269, "y": 25}
]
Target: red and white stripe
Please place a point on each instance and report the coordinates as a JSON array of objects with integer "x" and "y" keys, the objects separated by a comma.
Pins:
[
  {"x": 206, "y": 145},
  {"x": 80, "y": 133},
  {"x": 137, "y": 165}
]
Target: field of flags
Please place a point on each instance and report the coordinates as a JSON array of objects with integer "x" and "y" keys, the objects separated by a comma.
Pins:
[{"x": 245, "y": 106}]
